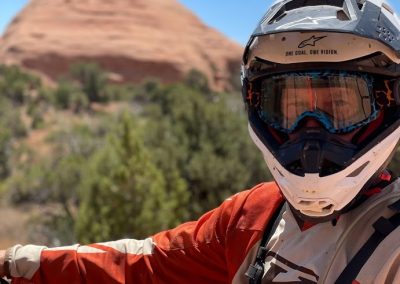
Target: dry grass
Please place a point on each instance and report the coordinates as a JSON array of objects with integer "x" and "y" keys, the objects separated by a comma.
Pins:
[{"x": 14, "y": 222}]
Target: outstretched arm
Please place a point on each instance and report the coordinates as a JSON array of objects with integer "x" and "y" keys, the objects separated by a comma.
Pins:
[
  {"x": 209, "y": 250},
  {"x": 168, "y": 257}
]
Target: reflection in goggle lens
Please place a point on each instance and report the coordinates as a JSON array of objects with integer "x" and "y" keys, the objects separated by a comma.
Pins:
[{"x": 340, "y": 101}]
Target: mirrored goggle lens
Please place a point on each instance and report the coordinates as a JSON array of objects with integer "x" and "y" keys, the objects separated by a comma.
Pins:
[{"x": 341, "y": 102}]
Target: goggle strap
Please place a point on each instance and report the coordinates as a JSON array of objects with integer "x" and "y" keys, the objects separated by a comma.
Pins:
[
  {"x": 252, "y": 98},
  {"x": 388, "y": 97}
]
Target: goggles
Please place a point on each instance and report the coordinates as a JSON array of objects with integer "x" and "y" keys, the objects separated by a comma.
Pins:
[{"x": 340, "y": 101}]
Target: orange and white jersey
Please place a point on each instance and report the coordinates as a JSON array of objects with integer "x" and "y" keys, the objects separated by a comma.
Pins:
[
  {"x": 320, "y": 253},
  {"x": 220, "y": 246},
  {"x": 210, "y": 250}
]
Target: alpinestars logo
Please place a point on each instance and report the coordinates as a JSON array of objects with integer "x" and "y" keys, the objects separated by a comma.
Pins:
[{"x": 310, "y": 42}]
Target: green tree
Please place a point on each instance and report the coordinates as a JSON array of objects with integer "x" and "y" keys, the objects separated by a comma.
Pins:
[
  {"x": 69, "y": 96},
  {"x": 205, "y": 137},
  {"x": 197, "y": 81},
  {"x": 114, "y": 92},
  {"x": 124, "y": 193},
  {"x": 92, "y": 80}
]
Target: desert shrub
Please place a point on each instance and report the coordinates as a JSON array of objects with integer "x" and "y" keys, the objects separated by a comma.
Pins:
[
  {"x": 16, "y": 84},
  {"x": 91, "y": 79},
  {"x": 196, "y": 80},
  {"x": 69, "y": 96}
]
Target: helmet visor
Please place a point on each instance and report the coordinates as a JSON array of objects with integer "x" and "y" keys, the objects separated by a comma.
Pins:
[{"x": 341, "y": 102}]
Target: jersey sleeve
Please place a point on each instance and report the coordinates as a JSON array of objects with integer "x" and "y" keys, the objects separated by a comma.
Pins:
[{"x": 209, "y": 250}]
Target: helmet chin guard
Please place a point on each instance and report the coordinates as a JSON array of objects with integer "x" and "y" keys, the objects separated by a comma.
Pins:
[{"x": 319, "y": 196}]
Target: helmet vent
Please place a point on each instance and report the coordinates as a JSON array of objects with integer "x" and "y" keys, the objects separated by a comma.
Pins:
[
  {"x": 295, "y": 4},
  {"x": 360, "y": 4},
  {"x": 358, "y": 170},
  {"x": 277, "y": 17},
  {"x": 316, "y": 207},
  {"x": 342, "y": 16},
  {"x": 296, "y": 168},
  {"x": 328, "y": 167}
]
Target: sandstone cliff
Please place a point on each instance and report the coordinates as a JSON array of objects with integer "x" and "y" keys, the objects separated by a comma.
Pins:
[{"x": 134, "y": 39}]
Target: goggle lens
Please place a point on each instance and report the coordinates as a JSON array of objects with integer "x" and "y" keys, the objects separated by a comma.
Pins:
[{"x": 340, "y": 101}]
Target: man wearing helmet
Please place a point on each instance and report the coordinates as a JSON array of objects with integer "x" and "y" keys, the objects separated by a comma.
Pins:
[{"x": 321, "y": 87}]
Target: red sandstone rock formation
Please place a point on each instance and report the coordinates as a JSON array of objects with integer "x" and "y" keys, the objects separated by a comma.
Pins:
[{"x": 134, "y": 39}]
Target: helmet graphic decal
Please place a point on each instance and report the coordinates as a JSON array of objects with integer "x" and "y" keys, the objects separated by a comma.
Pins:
[{"x": 307, "y": 21}]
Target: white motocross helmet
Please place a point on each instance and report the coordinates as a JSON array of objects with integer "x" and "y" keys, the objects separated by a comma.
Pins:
[{"x": 335, "y": 62}]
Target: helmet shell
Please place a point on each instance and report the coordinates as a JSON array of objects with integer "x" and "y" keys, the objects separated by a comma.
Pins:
[
  {"x": 371, "y": 19},
  {"x": 353, "y": 35}
]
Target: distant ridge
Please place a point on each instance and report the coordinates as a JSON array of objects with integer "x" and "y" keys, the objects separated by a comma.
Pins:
[{"x": 134, "y": 39}]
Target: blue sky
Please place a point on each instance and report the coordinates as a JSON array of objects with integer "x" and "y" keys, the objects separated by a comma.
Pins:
[
  {"x": 8, "y": 9},
  {"x": 236, "y": 19}
]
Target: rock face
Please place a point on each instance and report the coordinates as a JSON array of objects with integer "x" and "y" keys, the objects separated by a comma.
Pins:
[{"x": 134, "y": 39}]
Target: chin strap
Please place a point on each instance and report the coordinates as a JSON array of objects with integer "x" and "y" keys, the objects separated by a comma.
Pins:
[{"x": 255, "y": 272}]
